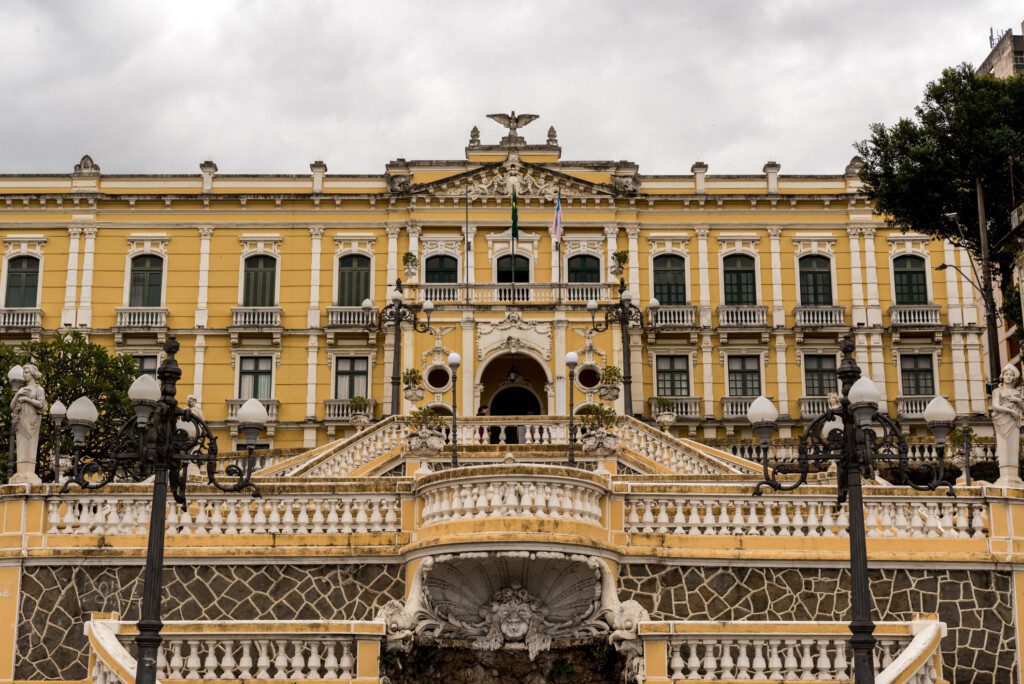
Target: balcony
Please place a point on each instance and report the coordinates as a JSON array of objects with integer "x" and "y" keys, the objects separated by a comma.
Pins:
[
  {"x": 742, "y": 316},
  {"x": 812, "y": 407},
  {"x": 685, "y": 408},
  {"x": 21, "y": 322},
  {"x": 735, "y": 408},
  {"x": 140, "y": 320},
  {"x": 912, "y": 408},
  {"x": 337, "y": 412},
  {"x": 820, "y": 317},
  {"x": 915, "y": 316},
  {"x": 235, "y": 404},
  {"x": 673, "y": 317},
  {"x": 490, "y": 294},
  {"x": 346, "y": 319},
  {"x": 255, "y": 320}
]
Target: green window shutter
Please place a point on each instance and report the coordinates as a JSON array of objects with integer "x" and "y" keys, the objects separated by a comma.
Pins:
[
  {"x": 670, "y": 279},
  {"x": 353, "y": 280},
  {"x": 815, "y": 281},
  {"x": 22, "y": 283},
  {"x": 146, "y": 281},
  {"x": 260, "y": 280},
  {"x": 584, "y": 269}
]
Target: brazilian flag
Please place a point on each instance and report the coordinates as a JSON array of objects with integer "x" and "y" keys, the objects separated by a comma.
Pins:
[{"x": 515, "y": 217}]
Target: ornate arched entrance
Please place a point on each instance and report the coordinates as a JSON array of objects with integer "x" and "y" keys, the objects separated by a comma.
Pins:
[{"x": 513, "y": 384}]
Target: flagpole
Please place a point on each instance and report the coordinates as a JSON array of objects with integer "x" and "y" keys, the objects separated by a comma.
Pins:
[{"x": 465, "y": 237}]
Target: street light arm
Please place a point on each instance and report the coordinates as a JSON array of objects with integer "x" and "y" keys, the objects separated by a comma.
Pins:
[{"x": 975, "y": 282}]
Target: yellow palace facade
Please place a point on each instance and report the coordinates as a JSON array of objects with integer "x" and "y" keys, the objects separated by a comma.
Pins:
[{"x": 746, "y": 283}]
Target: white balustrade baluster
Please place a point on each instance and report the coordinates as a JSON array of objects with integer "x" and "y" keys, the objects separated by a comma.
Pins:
[
  {"x": 330, "y": 663},
  {"x": 738, "y": 520},
  {"x": 726, "y": 664},
  {"x": 245, "y": 661},
  {"x": 632, "y": 518},
  {"x": 346, "y": 516},
  {"x": 313, "y": 663},
  {"x": 227, "y": 663},
  {"x": 210, "y": 663},
  {"x": 710, "y": 664},
  {"x": 647, "y": 520},
  {"x": 768, "y": 525},
  {"x": 806, "y": 661},
  {"x": 391, "y": 517},
  {"x": 376, "y": 519},
  {"x": 192, "y": 662},
  {"x": 813, "y": 523},
  {"x": 347, "y": 661},
  {"x": 274, "y": 519},
  {"x": 798, "y": 518},
  {"x": 841, "y": 664},
  {"x": 280, "y": 661},
  {"x": 871, "y": 520},
  {"x": 774, "y": 661},
  {"x": 361, "y": 517},
  {"x": 742, "y": 659},
  {"x": 176, "y": 662},
  {"x": 288, "y": 517},
  {"x": 675, "y": 663},
  {"x": 823, "y": 663},
  {"x": 758, "y": 664},
  {"x": 785, "y": 526},
  {"x": 790, "y": 664}
]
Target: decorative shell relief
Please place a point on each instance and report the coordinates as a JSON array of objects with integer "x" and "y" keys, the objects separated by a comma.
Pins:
[{"x": 87, "y": 166}]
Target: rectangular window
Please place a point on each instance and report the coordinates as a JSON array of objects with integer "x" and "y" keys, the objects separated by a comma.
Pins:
[
  {"x": 820, "y": 375},
  {"x": 916, "y": 373},
  {"x": 350, "y": 377},
  {"x": 254, "y": 377},
  {"x": 673, "y": 376},
  {"x": 147, "y": 364},
  {"x": 744, "y": 376}
]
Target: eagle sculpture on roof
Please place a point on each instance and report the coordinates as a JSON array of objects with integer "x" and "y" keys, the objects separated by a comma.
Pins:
[{"x": 512, "y": 122}]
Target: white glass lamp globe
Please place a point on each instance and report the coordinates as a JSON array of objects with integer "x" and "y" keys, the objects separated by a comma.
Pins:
[
  {"x": 396, "y": 295},
  {"x": 83, "y": 410},
  {"x": 865, "y": 391},
  {"x": 571, "y": 359},
  {"x": 428, "y": 307},
  {"x": 58, "y": 409},
  {"x": 367, "y": 304},
  {"x": 144, "y": 388},
  {"x": 16, "y": 374},
  {"x": 454, "y": 360},
  {"x": 762, "y": 410},
  {"x": 253, "y": 412},
  {"x": 939, "y": 410},
  {"x": 654, "y": 304},
  {"x": 592, "y": 306}
]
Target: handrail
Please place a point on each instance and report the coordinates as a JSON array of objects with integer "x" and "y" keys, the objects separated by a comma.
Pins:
[
  {"x": 921, "y": 656},
  {"x": 725, "y": 462},
  {"x": 112, "y": 659},
  {"x": 314, "y": 456}
]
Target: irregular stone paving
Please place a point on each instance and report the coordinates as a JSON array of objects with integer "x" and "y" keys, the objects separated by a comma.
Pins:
[
  {"x": 57, "y": 600},
  {"x": 977, "y": 605}
]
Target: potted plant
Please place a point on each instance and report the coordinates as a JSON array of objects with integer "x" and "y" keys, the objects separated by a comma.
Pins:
[
  {"x": 410, "y": 262},
  {"x": 611, "y": 378},
  {"x": 411, "y": 380},
  {"x": 425, "y": 438},
  {"x": 664, "y": 412},
  {"x": 597, "y": 439},
  {"x": 619, "y": 260},
  {"x": 359, "y": 410}
]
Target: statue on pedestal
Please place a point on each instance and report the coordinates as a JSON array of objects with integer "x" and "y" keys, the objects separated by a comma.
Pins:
[
  {"x": 27, "y": 409},
  {"x": 1007, "y": 409}
]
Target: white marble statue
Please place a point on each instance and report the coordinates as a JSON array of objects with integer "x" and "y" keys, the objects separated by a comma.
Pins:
[
  {"x": 1007, "y": 408},
  {"x": 27, "y": 409}
]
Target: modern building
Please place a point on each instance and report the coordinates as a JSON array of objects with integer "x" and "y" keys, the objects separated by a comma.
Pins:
[
  {"x": 262, "y": 279},
  {"x": 1007, "y": 55}
]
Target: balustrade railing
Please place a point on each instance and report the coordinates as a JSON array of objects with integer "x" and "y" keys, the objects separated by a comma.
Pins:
[
  {"x": 666, "y": 450},
  {"x": 741, "y": 316},
  {"x": 502, "y": 430},
  {"x": 21, "y": 318},
  {"x": 812, "y": 407},
  {"x": 256, "y": 317},
  {"x": 914, "y": 315},
  {"x": 683, "y": 407},
  {"x": 343, "y": 456},
  {"x": 341, "y": 410},
  {"x": 347, "y": 317},
  {"x": 820, "y": 316},
  {"x": 803, "y": 516},
  {"x": 270, "y": 404},
  {"x": 141, "y": 317},
  {"x": 674, "y": 316},
  {"x": 735, "y": 408},
  {"x": 911, "y": 407},
  {"x": 506, "y": 293}
]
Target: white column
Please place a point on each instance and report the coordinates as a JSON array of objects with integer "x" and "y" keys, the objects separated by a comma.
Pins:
[
  {"x": 877, "y": 373},
  {"x": 704, "y": 277},
  {"x": 313, "y": 317},
  {"x": 197, "y": 368},
  {"x": 414, "y": 229},
  {"x": 874, "y": 311},
  {"x": 972, "y": 301},
  {"x": 961, "y": 391},
  {"x": 556, "y": 258},
  {"x": 84, "y": 317},
  {"x": 953, "y": 308},
  {"x": 976, "y": 373},
  {"x": 620, "y": 403},
  {"x": 202, "y": 314},
  {"x": 706, "y": 350},
  {"x": 611, "y": 234},
  {"x": 857, "y": 289},
  {"x": 467, "y": 372},
  {"x": 861, "y": 353},
  {"x": 393, "y": 229},
  {"x": 633, "y": 232},
  {"x": 389, "y": 346},
  {"x": 636, "y": 369},
  {"x": 408, "y": 349},
  {"x": 67, "y": 316},
  {"x": 783, "y": 377},
  {"x": 561, "y": 373},
  {"x": 778, "y": 313},
  {"x": 470, "y": 270},
  {"x": 312, "y": 349}
]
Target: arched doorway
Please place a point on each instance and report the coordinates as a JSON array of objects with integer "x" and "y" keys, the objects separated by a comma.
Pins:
[
  {"x": 515, "y": 401},
  {"x": 513, "y": 384}
]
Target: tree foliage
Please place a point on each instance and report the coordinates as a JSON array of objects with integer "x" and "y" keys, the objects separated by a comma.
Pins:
[
  {"x": 71, "y": 367},
  {"x": 969, "y": 126}
]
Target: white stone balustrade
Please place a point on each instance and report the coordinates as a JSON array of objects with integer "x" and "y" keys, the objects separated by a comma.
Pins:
[
  {"x": 340, "y": 410},
  {"x": 256, "y": 317},
  {"x": 742, "y": 316},
  {"x": 536, "y": 492},
  {"x": 820, "y": 316},
  {"x": 141, "y": 317},
  {"x": 664, "y": 449},
  {"x": 676, "y": 316},
  {"x": 914, "y": 315},
  {"x": 343, "y": 456},
  {"x": 683, "y": 407},
  {"x": 21, "y": 318},
  {"x": 735, "y": 408},
  {"x": 535, "y": 430},
  {"x": 270, "y": 404},
  {"x": 503, "y": 293},
  {"x": 347, "y": 317},
  {"x": 314, "y": 513},
  {"x": 912, "y": 407},
  {"x": 801, "y": 516},
  {"x": 812, "y": 407}
]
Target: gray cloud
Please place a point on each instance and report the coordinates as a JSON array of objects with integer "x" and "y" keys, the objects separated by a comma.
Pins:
[{"x": 269, "y": 86}]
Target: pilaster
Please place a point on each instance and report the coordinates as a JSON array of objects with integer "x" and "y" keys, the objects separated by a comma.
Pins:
[
  {"x": 877, "y": 372},
  {"x": 198, "y": 365},
  {"x": 782, "y": 379},
  {"x": 706, "y": 363},
  {"x": 84, "y": 317},
  {"x": 202, "y": 297},
  {"x": 414, "y": 230},
  {"x": 953, "y": 308},
  {"x": 316, "y": 233},
  {"x": 467, "y": 373},
  {"x": 778, "y": 312},
  {"x": 976, "y": 373},
  {"x": 704, "y": 280},
  {"x": 961, "y": 390},
  {"x": 636, "y": 369},
  {"x": 611, "y": 234},
  {"x": 633, "y": 233},
  {"x": 856, "y": 284},
  {"x": 561, "y": 375},
  {"x": 971, "y": 301},
  {"x": 67, "y": 316},
  {"x": 312, "y": 348},
  {"x": 874, "y": 310},
  {"x": 393, "y": 230}
]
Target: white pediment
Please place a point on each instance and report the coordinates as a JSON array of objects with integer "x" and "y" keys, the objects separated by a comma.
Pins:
[{"x": 528, "y": 180}]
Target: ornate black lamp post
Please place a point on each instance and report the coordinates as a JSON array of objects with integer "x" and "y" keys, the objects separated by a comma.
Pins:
[
  {"x": 396, "y": 313},
  {"x": 855, "y": 436},
  {"x": 454, "y": 361},
  {"x": 571, "y": 359},
  {"x": 625, "y": 314},
  {"x": 159, "y": 442}
]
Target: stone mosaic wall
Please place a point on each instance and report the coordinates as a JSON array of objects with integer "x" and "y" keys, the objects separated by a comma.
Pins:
[
  {"x": 976, "y": 605},
  {"x": 56, "y": 600}
]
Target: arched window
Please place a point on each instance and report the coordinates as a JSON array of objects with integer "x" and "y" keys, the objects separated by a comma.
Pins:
[
  {"x": 22, "y": 283},
  {"x": 353, "y": 279},
  {"x": 441, "y": 269},
  {"x": 259, "y": 286},
  {"x": 815, "y": 281},
  {"x": 147, "y": 277},
  {"x": 670, "y": 279},
  {"x": 910, "y": 279},
  {"x": 513, "y": 272},
  {"x": 740, "y": 279},
  {"x": 584, "y": 269}
]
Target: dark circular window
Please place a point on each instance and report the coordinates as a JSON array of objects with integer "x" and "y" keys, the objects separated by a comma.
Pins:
[
  {"x": 438, "y": 377},
  {"x": 588, "y": 377}
]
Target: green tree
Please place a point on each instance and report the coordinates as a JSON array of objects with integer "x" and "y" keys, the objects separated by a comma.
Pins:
[
  {"x": 71, "y": 367},
  {"x": 963, "y": 137}
]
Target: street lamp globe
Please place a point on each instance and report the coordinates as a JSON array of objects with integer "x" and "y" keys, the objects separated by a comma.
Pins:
[
  {"x": 82, "y": 415},
  {"x": 571, "y": 359},
  {"x": 654, "y": 303},
  {"x": 592, "y": 306},
  {"x": 144, "y": 393},
  {"x": 16, "y": 376},
  {"x": 57, "y": 412},
  {"x": 762, "y": 415},
  {"x": 939, "y": 414},
  {"x": 367, "y": 304},
  {"x": 454, "y": 360},
  {"x": 252, "y": 416},
  {"x": 864, "y": 397},
  {"x": 396, "y": 295}
]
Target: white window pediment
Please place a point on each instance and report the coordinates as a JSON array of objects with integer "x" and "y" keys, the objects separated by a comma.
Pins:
[
  {"x": 814, "y": 243},
  {"x": 362, "y": 243},
  {"x": 908, "y": 243},
  {"x": 16, "y": 244},
  {"x": 260, "y": 243},
  {"x": 148, "y": 243},
  {"x": 746, "y": 243},
  {"x": 668, "y": 243}
]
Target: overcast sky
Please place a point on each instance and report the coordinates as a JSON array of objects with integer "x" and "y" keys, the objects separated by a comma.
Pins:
[{"x": 158, "y": 86}]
